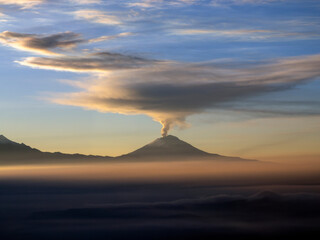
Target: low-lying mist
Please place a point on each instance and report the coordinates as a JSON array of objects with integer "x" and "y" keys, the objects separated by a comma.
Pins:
[{"x": 217, "y": 172}]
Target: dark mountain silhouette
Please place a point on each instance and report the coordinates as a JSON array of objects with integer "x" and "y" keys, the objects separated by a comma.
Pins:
[
  {"x": 19, "y": 153},
  {"x": 164, "y": 148},
  {"x": 172, "y": 147}
]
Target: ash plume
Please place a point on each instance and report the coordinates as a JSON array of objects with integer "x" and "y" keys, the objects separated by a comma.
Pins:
[{"x": 170, "y": 92}]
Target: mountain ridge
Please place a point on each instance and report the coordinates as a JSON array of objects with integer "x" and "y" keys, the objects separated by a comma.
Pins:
[
  {"x": 13, "y": 152},
  {"x": 163, "y": 148},
  {"x": 4, "y": 140}
]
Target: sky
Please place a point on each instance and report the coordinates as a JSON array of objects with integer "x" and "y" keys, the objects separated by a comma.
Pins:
[{"x": 234, "y": 77}]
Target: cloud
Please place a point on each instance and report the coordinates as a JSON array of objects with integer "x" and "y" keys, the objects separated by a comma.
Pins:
[
  {"x": 164, "y": 213},
  {"x": 224, "y": 202},
  {"x": 94, "y": 62},
  {"x": 166, "y": 91},
  {"x": 276, "y": 108},
  {"x": 111, "y": 37},
  {"x": 40, "y": 44},
  {"x": 170, "y": 3},
  {"x": 247, "y": 34},
  {"x": 97, "y": 16},
  {"x": 84, "y": 2},
  {"x": 262, "y": 213},
  {"x": 45, "y": 44},
  {"x": 239, "y": 2},
  {"x": 159, "y": 3},
  {"x": 3, "y": 17},
  {"x": 22, "y": 3},
  {"x": 170, "y": 92},
  {"x": 223, "y": 32}
]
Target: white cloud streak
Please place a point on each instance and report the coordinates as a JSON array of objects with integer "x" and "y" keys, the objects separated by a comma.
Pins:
[
  {"x": 245, "y": 34},
  {"x": 85, "y": 2},
  {"x": 110, "y": 37},
  {"x": 22, "y": 3},
  {"x": 97, "y": 16},
  {"x": 159, "y": 3},
  {"x": 101, "y": 62}
]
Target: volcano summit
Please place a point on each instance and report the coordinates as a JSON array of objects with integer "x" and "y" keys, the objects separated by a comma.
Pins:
[{"x": 171, "y": 147}]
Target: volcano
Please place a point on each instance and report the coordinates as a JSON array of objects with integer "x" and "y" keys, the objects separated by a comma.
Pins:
[
  {"x": 166, "y": 146},
  {"x": 171, "y": 147}
]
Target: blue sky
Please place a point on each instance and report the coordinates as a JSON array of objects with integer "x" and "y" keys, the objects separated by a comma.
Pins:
[{"x": 145, "y": 53}]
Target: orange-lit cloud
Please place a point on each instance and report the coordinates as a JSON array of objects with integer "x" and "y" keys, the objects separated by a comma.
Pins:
[
  {"x": 110, "y": 37},
  {"x": 97, "y": 16}
]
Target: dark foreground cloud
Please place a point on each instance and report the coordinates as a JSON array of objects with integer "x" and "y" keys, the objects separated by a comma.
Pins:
[
  {"x": 273, "y": 205},
  {"x": 263, "y": 215}
]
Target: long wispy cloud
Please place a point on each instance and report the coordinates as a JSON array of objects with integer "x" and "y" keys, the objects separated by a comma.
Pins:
[
  {"x": 25, "y": 4},
  {"x": 3, "y": 17},
  {"x": 168, "y": 3},
  {"x": 110, "y": 37},
  {"x": 22, "y": 3},
  {"x": 160, "y": 3},
  {"x": 97, "y": 16},
  {"x": 84, "y": 2},
  {"x": 245, "y": 34},
  {"x": 241, "y": 2},
  {"x": 93, "y": 62}
]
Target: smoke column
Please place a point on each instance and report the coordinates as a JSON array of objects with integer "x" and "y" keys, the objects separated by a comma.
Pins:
[{"x": 166, "y": 125}]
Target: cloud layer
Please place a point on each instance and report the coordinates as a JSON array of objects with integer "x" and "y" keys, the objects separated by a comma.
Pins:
[
  {"x": 170, "y": 92},
  {"x": 95, "y": 62},
  {"x": 167, "y": 91},
  {"x": 265, "y": 214}
]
